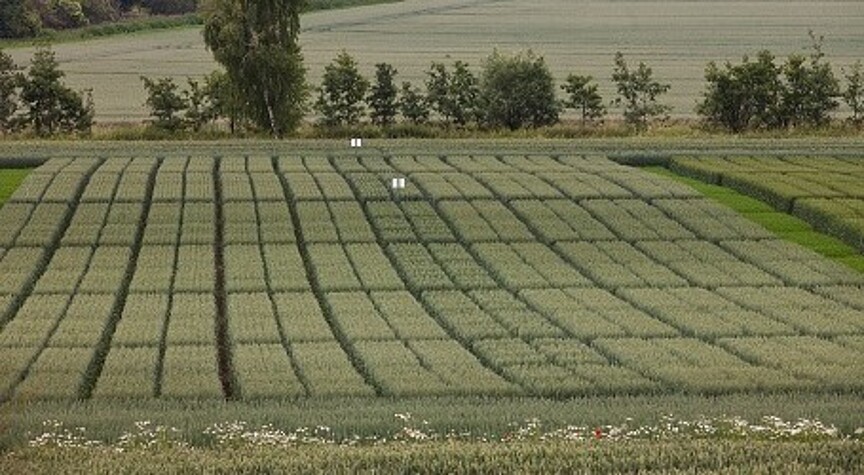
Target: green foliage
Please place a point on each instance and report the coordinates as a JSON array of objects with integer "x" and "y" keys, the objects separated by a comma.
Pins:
[
  {"x": 18, "y": 20},
  {"x": 64, "y": 14},
  {"x": 50, "y": 106},
  {"x": 100, "y": 11},
  {"x": 165, "y": 103},
  {"x": 199, "y": 108},
  {"x": 225, "y": 99},
  {"x": 343, "y": 88},
  {"x": 10, "y": 79},
  {"x": 382, "y": 96},
  {"x": 413, "y": 105},
  {"x": 811, "y": 90},
  {"x": 517, "y": 91},
  {"x": 169, "y": 7},
  {"x": 268, "y": 71},
  {"x": 854, "y": 93},
  {"x": 453, "y": 95},
  {"x": 638, "y": 93},
  {"x": 745, "y": 96},
  {"x": 583, "y": 96}
]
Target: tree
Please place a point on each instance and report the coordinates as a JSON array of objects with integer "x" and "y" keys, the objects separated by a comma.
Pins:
[
  {"x": 638, "y": 93},
  {"x": 413, "y": 105},
  {"x": 382, "y": 96},
  {"x": 169, "y": 7},
  {"x": 51, "y": 106},
  {"x": 854, "y": 93},
  {"x": 199, "y": 107},
  {"x": 17, "y": 20},
  {"x": 10, "y": 79},
  {"x": 453, "y": 95},
  {"x": 256, "y": 42},
  {"x": 99, "y": 11},
  {"x": 165, "y": 103},
  {"x": 63, "y": 14},
  {"x": 583, "y": 96},
  {"x": 340, "y": 98},
  {"x": 811, "y": 89},
  {"x": 744, "y": 96},
  {"x": 226, "y": 100},
  {"x": 465, "y": 94},
  {"x": 517, "y": 91}
]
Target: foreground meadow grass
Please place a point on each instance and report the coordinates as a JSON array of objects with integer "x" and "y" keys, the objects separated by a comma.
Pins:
[{"x": 734, "y": 456}]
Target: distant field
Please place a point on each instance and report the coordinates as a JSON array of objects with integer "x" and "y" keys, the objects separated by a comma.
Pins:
[{"x": 676, "y": 38}]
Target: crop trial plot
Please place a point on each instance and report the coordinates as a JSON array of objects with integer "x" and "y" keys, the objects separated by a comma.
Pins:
[{"x": 311, "y": 277}]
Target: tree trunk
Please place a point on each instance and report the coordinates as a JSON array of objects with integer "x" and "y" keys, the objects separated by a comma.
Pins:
[{"x": 273, "y": 128}]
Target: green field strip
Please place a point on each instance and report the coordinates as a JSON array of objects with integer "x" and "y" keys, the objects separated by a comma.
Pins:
[
  {"x": 516, "y": 323},
  {"x": 416, "y": 285},
  {"x": 314, "y": 362},
  {"x": 696, "y": 312},
  {"x": 127, "y": 373},
  {"x": 263, "y": 189},
  {"x": 783, "y": 225},
  {"x": 121, "y": 280},
  {"x": 350, "y": 222},
  {"x": 836, "y": 367},
  {"x": 808, "y": 312},
  {"x": 372, "y": 267},
  {"x": 175, "y": 258},
  {"x": 426, "y": 222},
  {"x": 49, "y": 328}
]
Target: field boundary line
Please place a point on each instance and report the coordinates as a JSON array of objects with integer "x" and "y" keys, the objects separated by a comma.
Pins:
[{"x": 231, "y": 389}]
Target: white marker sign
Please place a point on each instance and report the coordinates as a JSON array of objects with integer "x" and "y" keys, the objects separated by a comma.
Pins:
[
  {"x": 397, "y": 183},
  {"x": 356, "y": 143}
]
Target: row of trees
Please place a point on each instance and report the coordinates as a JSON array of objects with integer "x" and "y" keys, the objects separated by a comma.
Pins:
[
  {"x": 39, "y": 101},
  {"x": 26, "y": 18},
  {"x": 519, "y": 91},
  {"x": 511, "y": 92}
]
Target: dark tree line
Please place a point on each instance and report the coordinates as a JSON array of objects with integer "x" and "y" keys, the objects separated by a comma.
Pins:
[{"x": 27, "y": 18}]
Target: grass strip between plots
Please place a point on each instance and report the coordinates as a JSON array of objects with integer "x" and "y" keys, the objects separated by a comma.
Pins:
[
  {"x": 782, "y": 224},
  {"x": 10, "y": 178}
]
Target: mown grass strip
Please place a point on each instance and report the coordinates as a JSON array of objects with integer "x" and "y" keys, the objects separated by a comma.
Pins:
[
  {"x": 782, "y": 224},
  {"x": 10, "y": 179}
]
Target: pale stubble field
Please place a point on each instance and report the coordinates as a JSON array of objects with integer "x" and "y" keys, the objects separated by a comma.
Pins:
[{"x": 676, "y": 38}]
